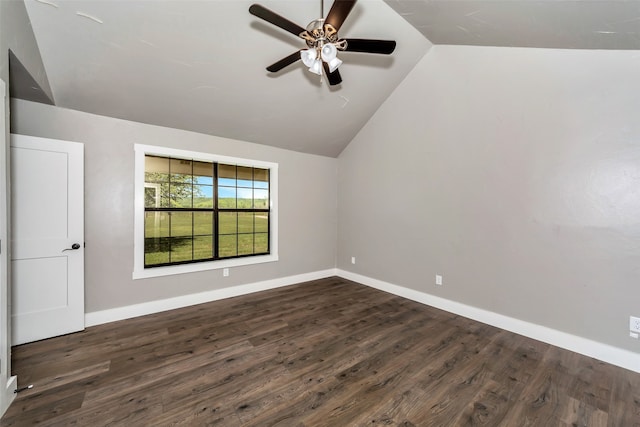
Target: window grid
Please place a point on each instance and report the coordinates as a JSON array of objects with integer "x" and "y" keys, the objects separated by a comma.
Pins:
[
  {"x": 176, "y": 243},
  {"x": 238, "y": 211}
]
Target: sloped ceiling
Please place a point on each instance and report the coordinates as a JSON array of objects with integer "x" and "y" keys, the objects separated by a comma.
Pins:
[
  {"x": 565, "y": 24},
  {"x": 200, "y": 65}
]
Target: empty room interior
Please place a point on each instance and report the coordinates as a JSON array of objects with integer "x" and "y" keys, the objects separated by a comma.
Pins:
[{"x": 310, "y": 213}]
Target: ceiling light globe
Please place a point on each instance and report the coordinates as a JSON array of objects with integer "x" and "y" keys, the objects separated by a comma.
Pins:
[
  {"x": 316, "y": 67},
  {"x": 329, "y": 52},
  {"x": 334, "y": 64},
  {"x": 308, "y": 57}
]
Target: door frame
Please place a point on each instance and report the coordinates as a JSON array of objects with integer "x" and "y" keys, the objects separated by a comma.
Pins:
[{"x": 8, "y": 383}]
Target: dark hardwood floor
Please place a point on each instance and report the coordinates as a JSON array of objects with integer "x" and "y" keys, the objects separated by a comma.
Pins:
[{"x": 323, "y": 353}]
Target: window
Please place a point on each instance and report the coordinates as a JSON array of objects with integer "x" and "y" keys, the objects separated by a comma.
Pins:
[{"x": 196, "y": 211}]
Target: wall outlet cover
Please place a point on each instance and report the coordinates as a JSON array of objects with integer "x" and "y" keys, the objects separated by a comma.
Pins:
[{"x": 634, "y": 324}]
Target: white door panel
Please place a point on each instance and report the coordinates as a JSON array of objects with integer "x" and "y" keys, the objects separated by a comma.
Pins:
[
  {"x": 42, "y": 284},
  {"x": 47, "y": 218}
]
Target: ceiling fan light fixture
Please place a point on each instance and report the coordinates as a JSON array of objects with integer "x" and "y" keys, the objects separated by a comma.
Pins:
[
  {"x": 329, "y": 52},
  {"x": 334, "y": 64},
  {"x": 308, "y": 57},
  {"x": 316, "y": 67}
]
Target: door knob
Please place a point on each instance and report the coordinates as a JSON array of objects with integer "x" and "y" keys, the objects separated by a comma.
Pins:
[{"x": 73, "y": 247}]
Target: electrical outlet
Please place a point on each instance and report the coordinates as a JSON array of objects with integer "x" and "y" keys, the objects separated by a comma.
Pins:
[
  {"x": 438, "y": 280},
  {"x": 225, "y": 272},
  {"x": 353, "y": 260},
  {"x": 634, "y": 324}
]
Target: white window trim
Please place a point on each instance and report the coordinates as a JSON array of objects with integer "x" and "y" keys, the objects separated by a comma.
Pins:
[{"x": 139, "y": 272}]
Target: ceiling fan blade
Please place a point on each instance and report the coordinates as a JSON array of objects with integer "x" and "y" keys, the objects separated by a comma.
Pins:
[
  {"x": 277, "y": 20},
  {"x": 295, "y": 56},
  {"x": 384, "y": 47},
  {"x": 338, "y": 12},
  {"x": 334, "y": 78}
]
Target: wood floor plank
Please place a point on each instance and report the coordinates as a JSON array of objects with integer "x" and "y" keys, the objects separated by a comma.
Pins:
[
  {"x": 624, "y": 404},
  {"x": 328, "y": 352}
]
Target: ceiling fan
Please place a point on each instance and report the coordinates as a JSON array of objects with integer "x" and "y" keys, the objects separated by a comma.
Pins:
[{"x": 321, "y": 36}]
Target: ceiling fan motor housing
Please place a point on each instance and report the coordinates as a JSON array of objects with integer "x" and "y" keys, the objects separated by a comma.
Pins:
[{"x": 318, "y": 33}]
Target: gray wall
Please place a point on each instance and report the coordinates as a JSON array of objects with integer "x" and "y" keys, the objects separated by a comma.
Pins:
[
  {"x": 16, "y": 34},
  {"x": 307, "y": 204},
  {"x": 514, "y": 173}
]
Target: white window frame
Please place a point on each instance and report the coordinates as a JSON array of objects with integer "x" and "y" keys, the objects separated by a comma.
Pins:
[{"x": 139, "y": 272}]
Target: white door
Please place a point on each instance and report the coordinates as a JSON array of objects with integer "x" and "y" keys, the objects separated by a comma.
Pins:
[{"x": 47, "y": 259}]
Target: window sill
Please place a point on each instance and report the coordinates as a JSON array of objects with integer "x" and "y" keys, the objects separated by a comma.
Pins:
[{"x": 201, "y": 266}]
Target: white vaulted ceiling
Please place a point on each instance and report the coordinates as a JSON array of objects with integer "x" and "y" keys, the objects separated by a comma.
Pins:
[
  {"x": 564, "y": 24},
  {"x": 200, "y": 65}
]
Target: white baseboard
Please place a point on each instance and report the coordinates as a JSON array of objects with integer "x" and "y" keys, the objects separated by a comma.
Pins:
[
  {"x": 604, "y": 352},
  {"x": 142, "y": 309},
  {"x": 8, "y": 394}
]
